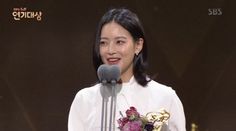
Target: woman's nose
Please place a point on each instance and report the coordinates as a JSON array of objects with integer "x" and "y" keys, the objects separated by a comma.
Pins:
[{"x": 111, "y": 48}]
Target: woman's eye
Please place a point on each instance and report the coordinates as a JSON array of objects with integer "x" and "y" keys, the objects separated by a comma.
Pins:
[
  {"x": 102, "y": 42},
  {"x": 120, "y": 42}
]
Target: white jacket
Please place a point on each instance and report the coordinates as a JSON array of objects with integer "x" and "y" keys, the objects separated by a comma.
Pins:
[{"x": 85, "y": 111}]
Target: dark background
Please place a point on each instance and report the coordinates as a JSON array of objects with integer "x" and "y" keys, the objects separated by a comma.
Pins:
[{"x": 44, "y": 63}]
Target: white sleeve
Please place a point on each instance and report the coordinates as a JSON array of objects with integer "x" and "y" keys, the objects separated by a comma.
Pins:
[
  {"x": 75, "y": 122},
  {"x": 177, "y": 117}
]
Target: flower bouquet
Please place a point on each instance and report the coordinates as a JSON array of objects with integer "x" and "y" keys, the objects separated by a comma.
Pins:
[{"x": 152, "y": 121}]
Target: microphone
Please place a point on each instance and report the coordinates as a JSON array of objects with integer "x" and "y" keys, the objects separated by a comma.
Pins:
[{"x": 108, "y": 73}]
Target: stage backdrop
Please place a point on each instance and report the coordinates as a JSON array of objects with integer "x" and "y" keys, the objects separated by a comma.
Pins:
[{"x": 45, "y": 58}]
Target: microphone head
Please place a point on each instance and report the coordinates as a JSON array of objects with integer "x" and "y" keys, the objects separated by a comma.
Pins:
[
  {"x": 114, "y": 73},
  {"x": 108, "y": 73},
  {"x": 101, "y": 73}
]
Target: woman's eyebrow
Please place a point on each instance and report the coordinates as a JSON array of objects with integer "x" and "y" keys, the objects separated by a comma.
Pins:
[
  {"x": 120, "y": 37},
  {"x": 104, "y": 38}
]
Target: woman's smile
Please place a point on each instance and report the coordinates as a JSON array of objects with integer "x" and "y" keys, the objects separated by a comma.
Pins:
[{"x": 113, "y": 60}]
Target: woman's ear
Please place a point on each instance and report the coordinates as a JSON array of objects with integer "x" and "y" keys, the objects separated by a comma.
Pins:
[{"x": 139, "y": 46}]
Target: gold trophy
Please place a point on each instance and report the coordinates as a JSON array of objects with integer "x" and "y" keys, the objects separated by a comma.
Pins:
[{"x": 158, "y": 118}]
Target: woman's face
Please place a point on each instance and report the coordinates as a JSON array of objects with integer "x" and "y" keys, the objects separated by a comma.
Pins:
[{"x": 118, "y": 47}]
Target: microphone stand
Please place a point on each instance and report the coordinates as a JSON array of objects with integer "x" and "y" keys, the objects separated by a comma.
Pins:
[
  {"x": 104, "y": 109},
  {"x": 112, "y": 108}
]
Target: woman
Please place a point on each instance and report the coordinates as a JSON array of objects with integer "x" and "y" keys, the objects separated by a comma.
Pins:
[{"x": 120, "y": 40}]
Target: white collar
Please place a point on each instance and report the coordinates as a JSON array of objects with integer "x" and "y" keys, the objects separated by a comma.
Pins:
[{"x": 130, "y": 82}]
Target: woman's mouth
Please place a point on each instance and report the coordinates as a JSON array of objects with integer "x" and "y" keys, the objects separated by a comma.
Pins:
[{"x": 112, "y": 61}]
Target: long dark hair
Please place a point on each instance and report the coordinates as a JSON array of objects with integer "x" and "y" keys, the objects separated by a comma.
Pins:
[{"x": 132, "y": 24}]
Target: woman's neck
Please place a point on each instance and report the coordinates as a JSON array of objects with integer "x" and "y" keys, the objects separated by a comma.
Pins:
[{"x": 126, "y": 77}]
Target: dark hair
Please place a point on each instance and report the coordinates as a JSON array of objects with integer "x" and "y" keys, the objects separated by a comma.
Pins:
[{"x": 132, "y": 24}]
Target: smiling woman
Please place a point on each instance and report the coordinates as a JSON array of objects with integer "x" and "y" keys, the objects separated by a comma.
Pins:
[
  {"x": 128, "y": 26},
  {"x": 118, "y": 47},
  {"x": 120, "y": 40}
]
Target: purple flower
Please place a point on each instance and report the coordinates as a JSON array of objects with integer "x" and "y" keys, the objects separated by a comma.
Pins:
[
  {"x": 132, "y": 113},
  {"x": 149, "y": 127},
  {"x": 132, "y": 126},
  {"x": 122, "y": 122}
]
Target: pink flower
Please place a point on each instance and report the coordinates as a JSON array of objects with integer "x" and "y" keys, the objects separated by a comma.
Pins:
[
  {"x": 132, "y": 126},
  {"x": 122, "y": 122},
  {"x": 132, "y": 113}
]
